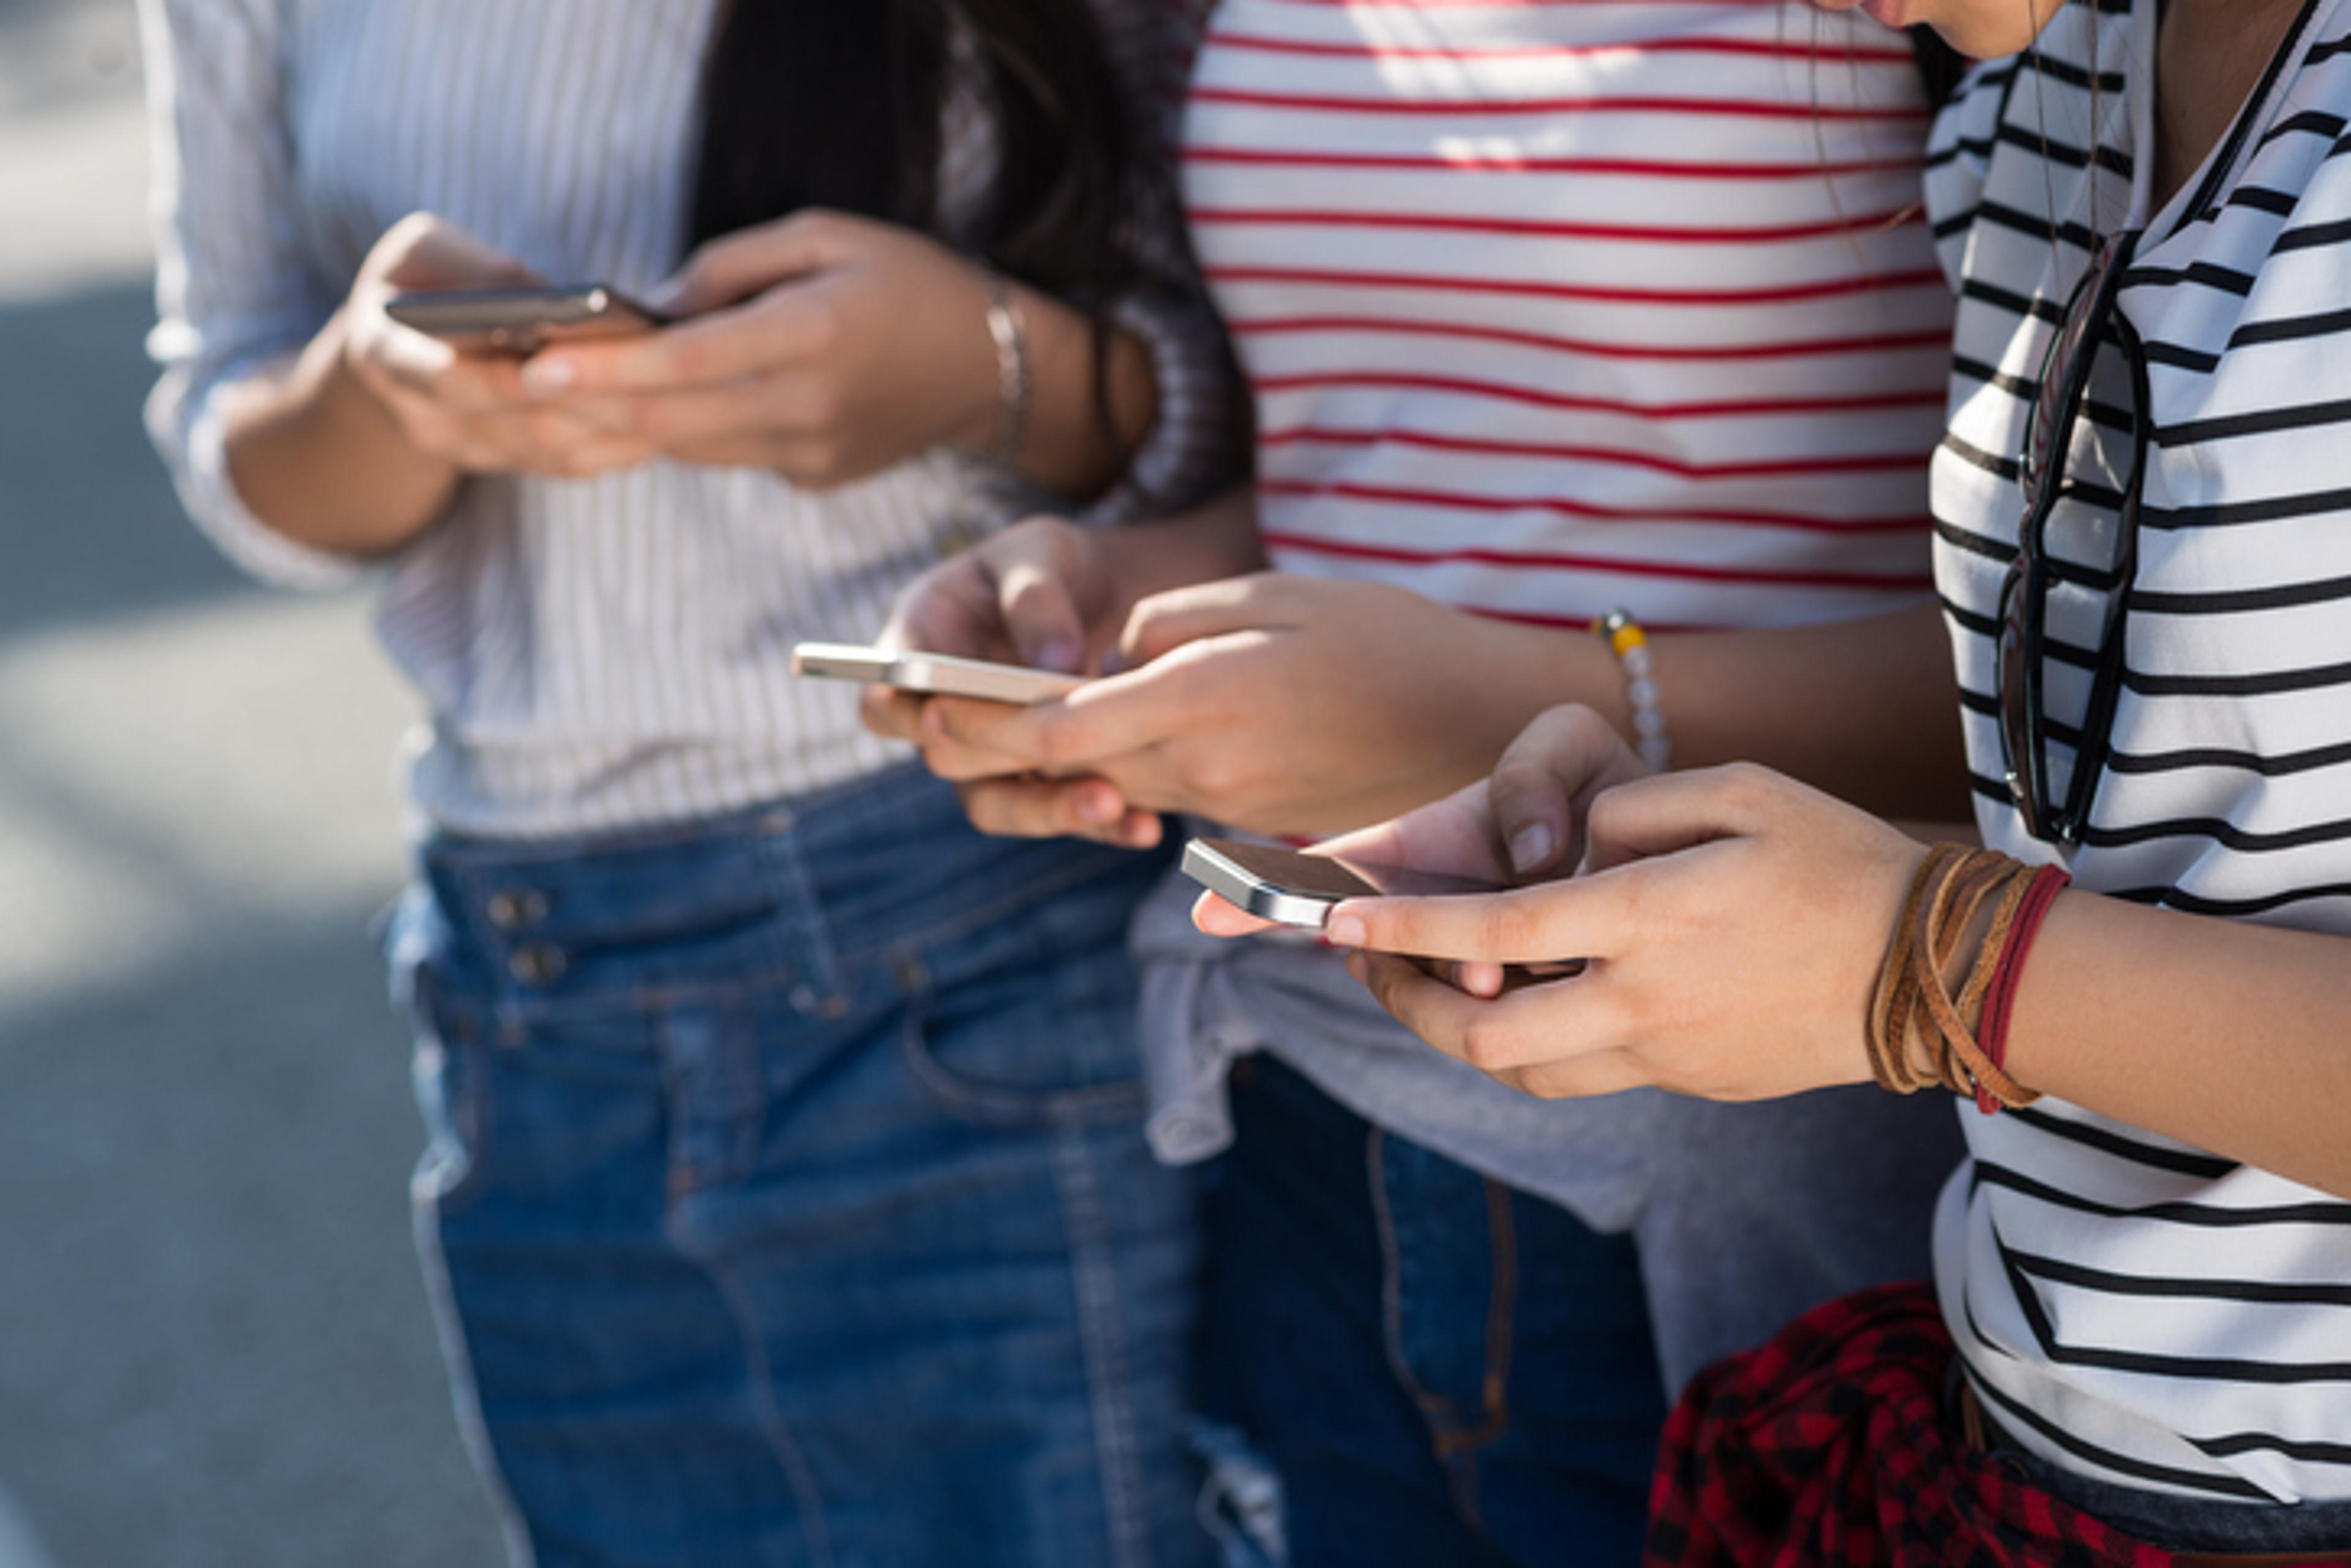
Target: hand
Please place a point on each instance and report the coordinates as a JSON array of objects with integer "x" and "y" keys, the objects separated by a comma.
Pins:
[
  {"x": 1733, "y": 919},
  {"x": 467, "y": 410},
  {"x": 1274, "y": 703},
  {"x": 1042, "y": 593},
  {"x": 824, "y": 347},
  {"x": 1524, "y": 822}
]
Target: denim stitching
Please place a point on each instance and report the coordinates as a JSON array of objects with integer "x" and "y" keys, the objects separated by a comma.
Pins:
[
  {"x": 1453, "y": 1446},
  {"x": 1035, "y": 890},
  {"x": 521, "y": 1013},
  {"x": 786, "y": 866},
  {"x": 1117, "y": 1449},
  {"x": 1090, "y": 1106}
]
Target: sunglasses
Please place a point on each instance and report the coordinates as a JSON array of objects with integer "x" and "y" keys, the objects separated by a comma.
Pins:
[{"x": 2064, "y": 603}]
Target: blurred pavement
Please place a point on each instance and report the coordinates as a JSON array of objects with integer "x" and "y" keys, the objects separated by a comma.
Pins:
[{"x": 214, "y": 1351}]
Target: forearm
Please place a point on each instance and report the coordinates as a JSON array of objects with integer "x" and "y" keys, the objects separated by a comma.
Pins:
[
  {"x": 2222, "y": 1034},
  {"x": 1867, "y": 710},
  {"x": 1081, "y": 368},
  {"x": 316, "y": 457}
]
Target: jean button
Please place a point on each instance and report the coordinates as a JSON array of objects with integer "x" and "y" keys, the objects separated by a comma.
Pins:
[
  {"x": 538, "y": 965},
  {"x": 518, "y": 908}
]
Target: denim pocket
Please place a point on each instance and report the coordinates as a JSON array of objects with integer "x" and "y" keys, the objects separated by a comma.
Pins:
[
  {"x": 992, "y": 1103},
  {"x": 1046, "y": 1035}
]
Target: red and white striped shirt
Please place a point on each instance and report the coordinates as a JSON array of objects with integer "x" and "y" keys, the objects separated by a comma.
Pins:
[{"x": 1554, "y": 306}]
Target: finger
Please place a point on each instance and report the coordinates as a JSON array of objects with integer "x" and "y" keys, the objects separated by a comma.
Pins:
[
  {"x": 1546, "y": 782},
  {"x": 1435, "y": 1011},
  {"x": 1454, "y": 837},
  {"x": 770, "y": 405},
  {"x": 1039, "y": 609},
  {"x": 1103, "y": 720},
  {"x": 1034, "y": 808},
  {"x": 737, "y": 266},
  {"x": 1480, "y": 979},
  {"x": 431, "y": 369},
  {"x": 960, "y": 762},
  {"x": 1526, "y": 1028},
  {"x": 1678, "y": 811},
  {"x": 434, "y": 253},
  {"x": 1551, "y": 921},
  {"x": 408, "y": 359},
  {"x": 1218, "y": 917},
  {"x": 892, "y": 714},
  {"x": 1583, "y": 1078},
  {"x": 1165, "y": 621},
  {"x": 781, "y": 329}
]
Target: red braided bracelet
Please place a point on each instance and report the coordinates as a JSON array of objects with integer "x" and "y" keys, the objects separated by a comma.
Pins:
[{"x": 2000, "y": 1000}]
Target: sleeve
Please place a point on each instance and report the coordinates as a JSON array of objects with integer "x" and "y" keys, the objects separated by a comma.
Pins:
[
  {"x": 233, "y": 295},
  {"x": 1958, "y": 158},
  {"x": 1200, "y": 444}
]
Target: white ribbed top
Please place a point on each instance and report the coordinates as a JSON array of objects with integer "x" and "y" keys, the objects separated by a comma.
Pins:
[{"x": 597, "y": 654}]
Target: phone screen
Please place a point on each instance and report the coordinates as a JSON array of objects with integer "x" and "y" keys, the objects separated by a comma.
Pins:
[{"x": 1332, "y": 879}]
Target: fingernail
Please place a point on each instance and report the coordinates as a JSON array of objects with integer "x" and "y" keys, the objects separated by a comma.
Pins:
[
  {"x": 1531, "y": 846},
  {"x": 543, "y": 376},
  {"x": 1061, "y": 656},
  {"x": 934, "y": 719},
  {"x": 1100, "y": 808},
  {"x": 1346, "y": 931},
  {"x": 1113, "y": 664}
]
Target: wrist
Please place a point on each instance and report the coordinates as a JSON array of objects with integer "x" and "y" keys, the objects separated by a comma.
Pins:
[
  {"x": 997, "y": 427},
  {"x": 1940, "y": 1009},
  {"x": 1540, "y": 668}
]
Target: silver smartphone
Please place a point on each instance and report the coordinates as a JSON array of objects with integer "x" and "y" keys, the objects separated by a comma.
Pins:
[
  {"x": 522, "y": 320},
  {"x": 1293, "y": 889},
  {"x": 931, "y": 675}
]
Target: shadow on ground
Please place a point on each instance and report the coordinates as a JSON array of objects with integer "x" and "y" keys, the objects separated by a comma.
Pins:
[
  {"x": 207, "y": 1305},
  {"x": 89, "y": 526}
]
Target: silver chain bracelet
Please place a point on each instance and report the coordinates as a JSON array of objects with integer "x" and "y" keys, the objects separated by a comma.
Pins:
[{"x": 1014, "y": 379}]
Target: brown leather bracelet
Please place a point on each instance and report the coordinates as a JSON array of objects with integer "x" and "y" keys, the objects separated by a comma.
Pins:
[{"x": 1921, "y": 1033}]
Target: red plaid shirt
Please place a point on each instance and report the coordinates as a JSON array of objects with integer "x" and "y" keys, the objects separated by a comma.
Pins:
[{"x": 1831, "y": 1447}]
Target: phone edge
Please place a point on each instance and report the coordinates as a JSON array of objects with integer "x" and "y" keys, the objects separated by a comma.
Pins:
[{"x": 1243, "y": 892}]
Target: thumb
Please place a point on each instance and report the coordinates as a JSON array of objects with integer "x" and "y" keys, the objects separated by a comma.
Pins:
[
  {"x": 1165, "y": 621},
  {"x": 733, "y": 268},
  {"x": 1543, "y": 788},
  {"x": 1036, "y": 598},
  {"x": 1675, "y": 811},
  {"x": 1041, "y": 617}
]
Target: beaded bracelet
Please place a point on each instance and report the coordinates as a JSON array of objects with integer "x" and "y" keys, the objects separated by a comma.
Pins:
[
  {"x": 1630, "y": 643},
  {"x": 1013, "y": 377}
]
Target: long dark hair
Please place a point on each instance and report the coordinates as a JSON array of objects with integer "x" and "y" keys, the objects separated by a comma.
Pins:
[{"x": 837, "y": 103}]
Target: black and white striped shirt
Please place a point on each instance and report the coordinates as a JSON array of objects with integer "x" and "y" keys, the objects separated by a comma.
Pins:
[
  {"x": 598, "y": 654},
  {"x": 2130, "y": 1308}
]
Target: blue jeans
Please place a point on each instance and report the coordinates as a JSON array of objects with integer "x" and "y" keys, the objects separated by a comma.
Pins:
[
  {"x": 786, "y": 1197},
  {"x": 1442, "y": 1371}
]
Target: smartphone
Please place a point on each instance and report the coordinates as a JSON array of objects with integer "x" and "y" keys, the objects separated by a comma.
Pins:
[
  {"x": 522, "y": 320},
  {"x": 932, "y": 674},
  {"x": 1293, "y": 889}
]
